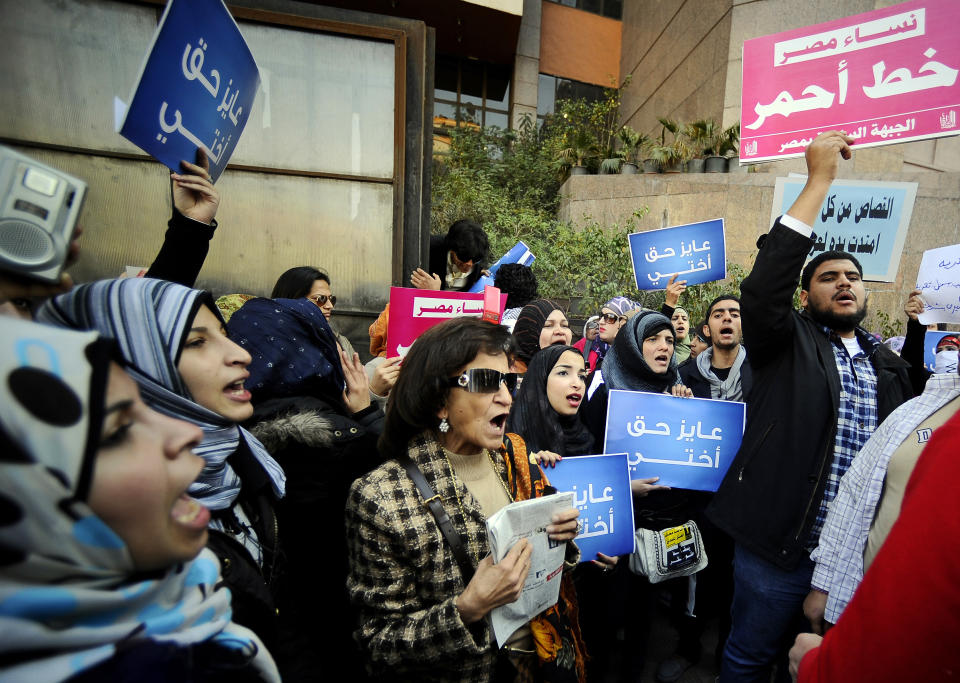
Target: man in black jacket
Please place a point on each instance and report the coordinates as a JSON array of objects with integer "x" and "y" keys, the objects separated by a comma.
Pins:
[
  {"x": 821, "y": 385},
  {"x": 457, "y": 260}
]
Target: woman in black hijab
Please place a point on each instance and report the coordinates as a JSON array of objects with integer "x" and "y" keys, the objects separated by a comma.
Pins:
[
  {"x": 540, "y": 324},
  {"x": 545, "y": 410},
  {"x": 545, "y": 415},
  {"x": 642, "y": 359}
]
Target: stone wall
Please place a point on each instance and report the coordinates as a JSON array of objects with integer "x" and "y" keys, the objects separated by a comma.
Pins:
[
  {"x": 676, "y": 54},
  {"x": 745, "y": 201}
]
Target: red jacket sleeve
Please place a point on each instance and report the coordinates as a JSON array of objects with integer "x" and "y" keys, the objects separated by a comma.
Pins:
[{"x": 904, "y": 620}]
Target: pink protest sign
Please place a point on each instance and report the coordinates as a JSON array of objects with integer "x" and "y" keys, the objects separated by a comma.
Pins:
[
  {"x": 884, "y": 77},
  {"x": 414, "y": 311}
]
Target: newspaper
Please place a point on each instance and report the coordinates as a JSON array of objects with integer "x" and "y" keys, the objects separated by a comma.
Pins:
[{"x": 528, "y": 519}]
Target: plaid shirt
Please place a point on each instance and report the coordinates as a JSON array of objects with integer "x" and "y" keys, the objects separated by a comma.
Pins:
[
  {"x": 839, "y": 557},
  {"x": 856, "y": 417}
]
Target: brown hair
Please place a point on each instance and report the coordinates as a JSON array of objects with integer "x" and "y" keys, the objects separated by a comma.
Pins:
[{"x": 421, "y": 388}]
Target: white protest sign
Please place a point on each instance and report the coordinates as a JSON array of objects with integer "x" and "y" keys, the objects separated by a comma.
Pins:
[{"x": 939, "y": 284}]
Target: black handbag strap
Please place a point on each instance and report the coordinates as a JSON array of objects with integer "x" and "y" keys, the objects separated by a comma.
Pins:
[{"x": 432, "y": 501}]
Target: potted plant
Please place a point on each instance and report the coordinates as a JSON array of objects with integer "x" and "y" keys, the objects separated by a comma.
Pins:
[
  {"x": 722, "y": 144},
  {"x": 731, "y": 143},
  {"x": 612, "y": 164},
  {"x": 698, "y": 135},
  {"x": 649, "y": 164},
  {"x": 670, "y": 156},
  {"x": 631, "y": 143},
  {"x": 581, "y": 147}
]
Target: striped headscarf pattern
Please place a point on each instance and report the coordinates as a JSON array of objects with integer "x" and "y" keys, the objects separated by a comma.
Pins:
[{"x": 150, "y": 320}]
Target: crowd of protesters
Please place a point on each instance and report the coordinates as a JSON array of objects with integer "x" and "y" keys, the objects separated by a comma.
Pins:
[{"x": 218, "y": 489}]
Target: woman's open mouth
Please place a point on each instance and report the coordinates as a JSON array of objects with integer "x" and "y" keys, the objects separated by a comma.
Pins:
[
  {"x": 190, "y": 513},
  {"x": 574, "y": 399},
  {"x": 236, "y": 392}
]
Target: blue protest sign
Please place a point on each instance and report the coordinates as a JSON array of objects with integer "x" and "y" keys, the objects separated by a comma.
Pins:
[
  {"x": 196, "y": 87},
  {"x": 930, "y": 341},
  {"x": 519, "y": 253},
  {"x": 601, "y": 491},
  {"x": 696, "y": 252},
  {"x": 865, "y": 218},
  {"x": 688, "y": 442}
]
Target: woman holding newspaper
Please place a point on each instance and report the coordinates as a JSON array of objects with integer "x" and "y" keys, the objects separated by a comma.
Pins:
[{"x": 420, "y": 568}]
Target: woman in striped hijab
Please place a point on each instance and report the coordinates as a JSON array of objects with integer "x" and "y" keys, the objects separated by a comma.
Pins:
[{"x": 177, "y": 351}]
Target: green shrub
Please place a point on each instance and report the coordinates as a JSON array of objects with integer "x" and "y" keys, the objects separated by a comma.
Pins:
[{"x": 508, "y": 181}]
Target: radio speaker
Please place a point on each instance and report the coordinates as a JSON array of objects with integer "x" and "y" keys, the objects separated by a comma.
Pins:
[{"x": 25, "y": 242}]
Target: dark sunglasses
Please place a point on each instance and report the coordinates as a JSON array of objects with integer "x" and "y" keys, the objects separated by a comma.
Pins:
[
  {"x": 611, "y": 318},
  {"x": 484, "y": 380},
  {"x": 321, "y": 299}
]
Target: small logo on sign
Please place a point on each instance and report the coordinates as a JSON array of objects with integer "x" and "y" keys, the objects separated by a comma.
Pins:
[{"x": 948, "y": 119}]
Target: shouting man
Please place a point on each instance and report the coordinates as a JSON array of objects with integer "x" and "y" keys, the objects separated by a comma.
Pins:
[{"x": 821, "y": 385}]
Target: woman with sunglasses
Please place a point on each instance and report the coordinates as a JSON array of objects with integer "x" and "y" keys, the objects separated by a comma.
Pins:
[
  {"x": 307, "y": 282},
  {"x": 613, "y": 315},
  {"x": 312, "y": 410},
  {"x": 178, "y": 352},
  {"x": 424, "y": 583},
  {"x": 103, "y": 571}
]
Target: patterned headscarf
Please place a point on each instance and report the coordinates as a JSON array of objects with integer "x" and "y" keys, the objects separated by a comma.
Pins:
[
  {"x": 69, "y": 593},
  {"x": 150, "y": 320},
  {"x": 621, "y": 305},
  {"x": 228, "y": 304},
  {"x": 625, "y": 367},
  {"x": 529, "y": 324},
  {"x": 294, "y": 350}
]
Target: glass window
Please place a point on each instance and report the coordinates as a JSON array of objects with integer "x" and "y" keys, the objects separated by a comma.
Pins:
[
  {"x": 445, "y": 109},
  {"x": 613, "y": 9},
  {"x": 608, "y": 8},
  {"x": 592, "y": 6},
  {"x": 495, "y": 118},
  {"x": 326, "y": 104},
  {"x": 472, "y": 91},
  {"x": 446, "y": 77},
  {"x": 344, "y": 82},
  {"x": 546, "y": 94},
  {"x": 498, "y": 87},
  {"x": 575, "y": 90},
  {"x": 471, "y": 82}
]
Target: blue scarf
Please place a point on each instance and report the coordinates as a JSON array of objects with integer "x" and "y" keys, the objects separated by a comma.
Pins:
[{"x": 70, "y": 596}]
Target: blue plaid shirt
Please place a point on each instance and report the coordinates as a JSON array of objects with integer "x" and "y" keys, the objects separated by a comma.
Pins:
[{"x": 856, "y": 418}]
